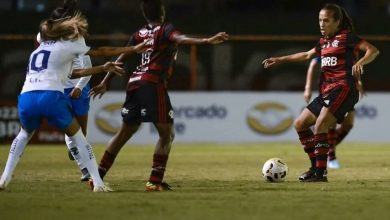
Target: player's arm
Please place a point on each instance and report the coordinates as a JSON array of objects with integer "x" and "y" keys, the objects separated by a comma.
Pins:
[
  {"x": 101, "y": 88},
  {"x": 296, "y": 57},
  {"x": 114, "y": 51},
  {"x": 114, "y": 67},
  {"x": 370, "y": 53},
  {"x": 215, "y": 39}
]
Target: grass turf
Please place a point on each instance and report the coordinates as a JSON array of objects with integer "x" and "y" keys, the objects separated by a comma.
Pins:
[{"x": 210, "y": 182}]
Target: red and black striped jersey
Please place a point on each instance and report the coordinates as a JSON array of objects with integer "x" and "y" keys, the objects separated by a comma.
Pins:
[
  {"x": 338, "y": 54},
  {"x": 159, "y": 58}
]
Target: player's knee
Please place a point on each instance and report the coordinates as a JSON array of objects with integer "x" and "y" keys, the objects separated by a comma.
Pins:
[{"x": 347, "y": 126}]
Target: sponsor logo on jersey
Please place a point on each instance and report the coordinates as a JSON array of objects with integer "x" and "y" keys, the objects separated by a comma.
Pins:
[{"x": 328, "y": 61}]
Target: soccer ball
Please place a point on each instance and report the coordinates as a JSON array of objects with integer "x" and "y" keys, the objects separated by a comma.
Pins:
[{"x": 275, "y": 170}]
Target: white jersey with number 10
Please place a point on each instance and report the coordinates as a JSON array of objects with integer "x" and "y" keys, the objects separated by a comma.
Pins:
[{"x": 51, "y": 64}]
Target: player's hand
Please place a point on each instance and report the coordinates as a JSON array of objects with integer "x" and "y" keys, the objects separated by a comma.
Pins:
[
  {"x": 357, "y": 70},
  {"x": 114, "y": 67},
  {"x": 218, "y": 38},
  {"x": 270, "y": 62},
  {"x": 98, "y": 90},
  {"x": 307, "y": 95},
  {"x": 75, "y": 93}
]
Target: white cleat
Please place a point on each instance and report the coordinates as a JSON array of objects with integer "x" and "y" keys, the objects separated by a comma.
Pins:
[
  {"x": 333, "y": 164},
  {"x": 103, "y": 188}
]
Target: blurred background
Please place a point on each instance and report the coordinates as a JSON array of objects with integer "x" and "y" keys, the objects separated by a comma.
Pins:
[
  {"x": 253, "y": 24},
  {"x": 258, "y": 29}
]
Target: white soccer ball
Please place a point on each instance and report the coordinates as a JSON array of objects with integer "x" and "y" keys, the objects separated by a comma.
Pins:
[{"x": 275, "y": 170}]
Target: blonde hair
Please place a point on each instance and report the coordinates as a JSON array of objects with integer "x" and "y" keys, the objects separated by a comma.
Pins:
[{"x": 67, "y": 28}]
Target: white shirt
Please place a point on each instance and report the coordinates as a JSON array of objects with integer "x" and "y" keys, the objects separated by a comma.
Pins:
[
  {"x": 81, "y": 62},
  {"x": 51, "y": 64}
]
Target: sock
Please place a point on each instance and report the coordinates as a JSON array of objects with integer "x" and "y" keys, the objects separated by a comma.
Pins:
[
  {"x": 85, "y": 156},
  {"x": 158, "y": 168},
  {"x": 332, "y": 140},
  {"x": 307, "y": 141},
  {"x": 106, "y": 163},
  {"x": 73, "y": 148},
  {"x": 16, "y": 151},
  {"x": 341, "y": 134},
  {"x": 321, "y": 152}
]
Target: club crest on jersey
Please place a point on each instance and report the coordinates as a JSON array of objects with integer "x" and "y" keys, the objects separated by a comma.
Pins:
[{"x": 143, "y": 32}]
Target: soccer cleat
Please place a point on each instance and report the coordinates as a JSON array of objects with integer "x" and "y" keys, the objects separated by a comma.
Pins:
[
  {"x": 333, "y": 164},
  {"x": 315, "y": 178},
  {"x": 103, "y": 188},
  {"x": 153, "y": 187},
  {"x": 308, "y": 174}
]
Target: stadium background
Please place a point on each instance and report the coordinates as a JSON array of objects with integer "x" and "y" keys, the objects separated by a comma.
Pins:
[{"x": 258, "y": 28}]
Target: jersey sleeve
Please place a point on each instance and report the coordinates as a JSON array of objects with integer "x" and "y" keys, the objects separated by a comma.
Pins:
[
  {"x": 169, "y": 31},
  {"x": 354, "y": 41},
  {"x": 77, "y": 47},
  {"x": 318, "y": 48}
]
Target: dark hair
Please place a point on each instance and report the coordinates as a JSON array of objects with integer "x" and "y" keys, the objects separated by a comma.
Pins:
[
  {"x": 69, "y": 8},
  {"x": 151, "y": 9},
  {"x": 339, "y": 14}
]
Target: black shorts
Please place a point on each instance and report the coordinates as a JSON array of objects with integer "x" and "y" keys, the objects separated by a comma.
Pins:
[
  {"x": 148, "y": 103},
  {"x": 340, "y": 101}
]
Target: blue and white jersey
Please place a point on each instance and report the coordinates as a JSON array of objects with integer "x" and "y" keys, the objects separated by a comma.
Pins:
[
  {"x": 51, "y": 64},
  {"x": 81, "y": 62}
]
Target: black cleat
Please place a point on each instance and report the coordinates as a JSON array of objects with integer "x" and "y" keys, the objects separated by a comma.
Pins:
[
  {"x": 308, "y": 174},
  {"x": 316, "y": 178}
]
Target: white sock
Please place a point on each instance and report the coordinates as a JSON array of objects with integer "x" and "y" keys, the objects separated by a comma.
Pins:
[
  {"x": 15, "y": 153},
  {"x": 86, "y": 157},
  {"x": 73, "y": 148}
]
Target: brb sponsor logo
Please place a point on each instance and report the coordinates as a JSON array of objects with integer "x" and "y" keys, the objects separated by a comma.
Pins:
[
  {"x": 328, "y": 61},
  {"x": 108, "y": 118},
  {"x": 270, "y": 118}
]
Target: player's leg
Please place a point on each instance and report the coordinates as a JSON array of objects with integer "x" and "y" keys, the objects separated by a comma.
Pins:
[
  {"x": 29, "y": 117},
  {"x": 336, "y": 136},
  {"x": 17, "y": 148},
  {"x": 303, "y": 127},
  {"x": 60, "y": 115},
  {"x": 80, "y": 108},
  {"x": 160, "y": 157},
  {"x": 325, "y": 120},
  {"x": 115, "y": 145},
  {"x": 345, "y": 127}
]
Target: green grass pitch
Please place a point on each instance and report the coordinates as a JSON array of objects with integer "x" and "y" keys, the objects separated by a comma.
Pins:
[{"x": 210, "y": 181}]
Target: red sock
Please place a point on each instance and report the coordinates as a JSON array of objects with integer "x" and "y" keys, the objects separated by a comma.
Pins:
[
  {"x": 307, "y": 140},
  {"x": 106, "y": 163},
  {"x": 158, "y": 168},
  {"x": 332, "y": 140},
  {"x": 321, "y": 152}
]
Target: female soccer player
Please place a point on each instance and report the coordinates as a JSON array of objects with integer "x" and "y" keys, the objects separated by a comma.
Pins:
[
  {"x": 42, "y": 95},
  {"x": 336, "y": 133},
  {"x": 340, "y": 71},
  {"x": 147, "y": 99}
]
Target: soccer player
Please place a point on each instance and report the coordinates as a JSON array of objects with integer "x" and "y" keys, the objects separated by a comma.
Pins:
[
  {"x": 147, "y": 98},
  {"x": 75, "y": 89},
  {"x": 335, "y": 134},
  {"x": 340, "y": 71},
  {"x": 42, "y": 95}
]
